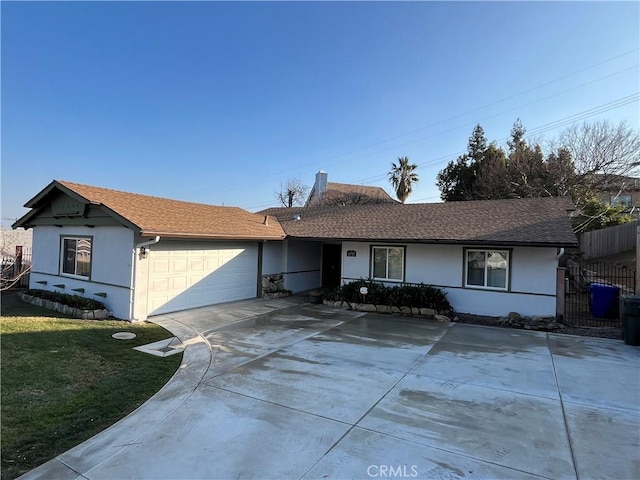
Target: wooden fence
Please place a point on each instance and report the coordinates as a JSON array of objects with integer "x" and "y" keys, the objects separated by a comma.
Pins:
[{"x": 609, "y": 241}]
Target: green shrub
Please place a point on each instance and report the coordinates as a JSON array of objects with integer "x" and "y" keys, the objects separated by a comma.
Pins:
[
  {"x": 376, "y": 292},
  {"x": 406, "y": 295},
  {"x": 74, "y": 301}
]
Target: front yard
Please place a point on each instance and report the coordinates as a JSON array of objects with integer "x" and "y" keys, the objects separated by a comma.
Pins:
[{"x": 64, "y": 380}]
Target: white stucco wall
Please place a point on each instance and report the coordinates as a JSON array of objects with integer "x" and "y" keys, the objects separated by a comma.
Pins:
[
  {"x": 495, "y": 304},
  {"x": 434, "y": 264},
  {"x": 110, "y": 264},
  {"x": 534, "y": 270},
  {"x": 302, "y": 266},
  {"x": 273, "y": 257},
  {"x": 533, "y": 277},
  {"x": 356, "y": 267}
]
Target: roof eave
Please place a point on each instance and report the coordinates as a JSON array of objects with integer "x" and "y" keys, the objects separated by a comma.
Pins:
[
  {"x": 554, "y": 244},
  {"x": 209, "y": 236},
  {"x": 22, "y": 221}
]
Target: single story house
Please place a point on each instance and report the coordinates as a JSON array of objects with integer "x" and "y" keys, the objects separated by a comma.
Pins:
[{"x": 144, "y": 255}]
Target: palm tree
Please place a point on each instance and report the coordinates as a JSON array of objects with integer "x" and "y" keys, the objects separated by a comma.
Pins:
[{"x": 402, "y": 177}]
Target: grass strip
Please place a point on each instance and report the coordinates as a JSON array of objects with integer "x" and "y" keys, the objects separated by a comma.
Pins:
[{"x": 64, "y": 380}]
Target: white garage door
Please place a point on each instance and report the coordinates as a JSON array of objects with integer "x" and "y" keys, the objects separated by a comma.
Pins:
[{"x": 187, "y": 275}]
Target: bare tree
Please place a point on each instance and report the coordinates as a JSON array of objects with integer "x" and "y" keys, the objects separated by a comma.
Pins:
[
  {"x": 601, "y": 150},
  {"x": 14, "y": 267},
  {"x": 293, "y": 193},
  {"x": 12, "y": 272},
  {"x": 353, "y": 198}
]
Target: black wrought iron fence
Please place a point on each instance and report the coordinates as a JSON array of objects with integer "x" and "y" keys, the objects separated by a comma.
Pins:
[
  {"x": 592, "y": 291},
  {"x": 16, "y": 267}
]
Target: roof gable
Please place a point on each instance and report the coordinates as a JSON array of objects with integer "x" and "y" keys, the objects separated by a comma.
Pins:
[{"x": 161, "y": 216}]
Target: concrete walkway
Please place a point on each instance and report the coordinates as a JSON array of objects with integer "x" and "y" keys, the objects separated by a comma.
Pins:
[{"x": 280, "y": 389}]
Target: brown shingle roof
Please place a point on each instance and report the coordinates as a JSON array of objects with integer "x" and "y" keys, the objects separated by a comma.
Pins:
[
  {"x": 359, "y": 194},
  {"x": 162, "y": 216},
  {"x": 531, "y": 221}
]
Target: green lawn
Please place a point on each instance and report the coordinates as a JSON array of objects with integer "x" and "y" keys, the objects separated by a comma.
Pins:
[{"x": 64, "y": 380}]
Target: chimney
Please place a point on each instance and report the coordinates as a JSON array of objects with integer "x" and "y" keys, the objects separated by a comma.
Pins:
[
  {"x": 321, "y": 182},
  {"x": 319, "y": 188}
]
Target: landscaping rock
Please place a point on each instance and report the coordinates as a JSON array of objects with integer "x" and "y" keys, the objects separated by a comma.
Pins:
[
  {"x": 66, "y": 309},
  {"x": 415, "y": 311},
  {"x": 553, "y": 326},
  {"x": 367, "y": 307},
  {"x": 315, "y": 298},
  {"x": 427, "y": 311},
  {"x": 405, "y": 310},
  {"x": 383, "y": 309},
  {"x": 441, "y": 318},
  {"x": 514, "y": 316}
]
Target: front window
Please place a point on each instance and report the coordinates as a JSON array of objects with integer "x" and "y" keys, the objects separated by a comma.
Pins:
[
  {"x": 487, "y": 269},
  {"x": 76, "y": 256},
  {"x": 388, "y": 263},
  {"x": 624, "y": 200}
]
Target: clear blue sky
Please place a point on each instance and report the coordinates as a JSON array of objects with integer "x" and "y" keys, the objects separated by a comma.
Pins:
[{"x": 221, "y": 102}]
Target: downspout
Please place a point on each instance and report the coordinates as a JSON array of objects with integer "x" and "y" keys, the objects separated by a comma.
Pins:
[{"x": 134, "y": 275}]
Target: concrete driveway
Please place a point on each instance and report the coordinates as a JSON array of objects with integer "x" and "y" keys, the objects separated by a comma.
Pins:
[{"x": 279, "y": 389}]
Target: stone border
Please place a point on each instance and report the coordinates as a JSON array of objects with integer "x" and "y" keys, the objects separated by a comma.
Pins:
[
  {"x": 99, "y": 314},
  {"x": 389, "y": 309},
  {"x": 275, "y": 294}
]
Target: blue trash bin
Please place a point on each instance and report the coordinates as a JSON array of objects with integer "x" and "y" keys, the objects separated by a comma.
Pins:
[{"x": 604, "y": 300}]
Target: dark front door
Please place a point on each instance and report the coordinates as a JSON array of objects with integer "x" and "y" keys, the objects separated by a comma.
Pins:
[{"x": 331, "y": 265}]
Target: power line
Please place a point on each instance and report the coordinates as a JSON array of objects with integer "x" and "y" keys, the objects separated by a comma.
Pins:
[
  {"x": 439, "y": 122},
  {"x": 482, "y": 118},
  {"x": 537, "y": 87},
  {"x": 570, "y": 119},
  {"x": 536, "y": 131}
]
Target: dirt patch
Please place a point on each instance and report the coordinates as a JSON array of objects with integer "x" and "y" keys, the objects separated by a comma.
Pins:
[{"x": 600, "y": 332}]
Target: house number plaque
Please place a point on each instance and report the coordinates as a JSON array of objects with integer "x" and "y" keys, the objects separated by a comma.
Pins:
[{"x": 351, "y": 253}]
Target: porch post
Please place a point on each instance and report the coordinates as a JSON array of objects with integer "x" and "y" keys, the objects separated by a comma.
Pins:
[
  {"x": 259, "y": 286},
  {"x": 17, "y": 265}
]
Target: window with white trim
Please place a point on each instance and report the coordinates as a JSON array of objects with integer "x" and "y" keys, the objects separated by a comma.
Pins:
[
  {"x": 76, "y": 256},
  {"x": 387, "y": 263},
  {"x": 487, "y": 269}
]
